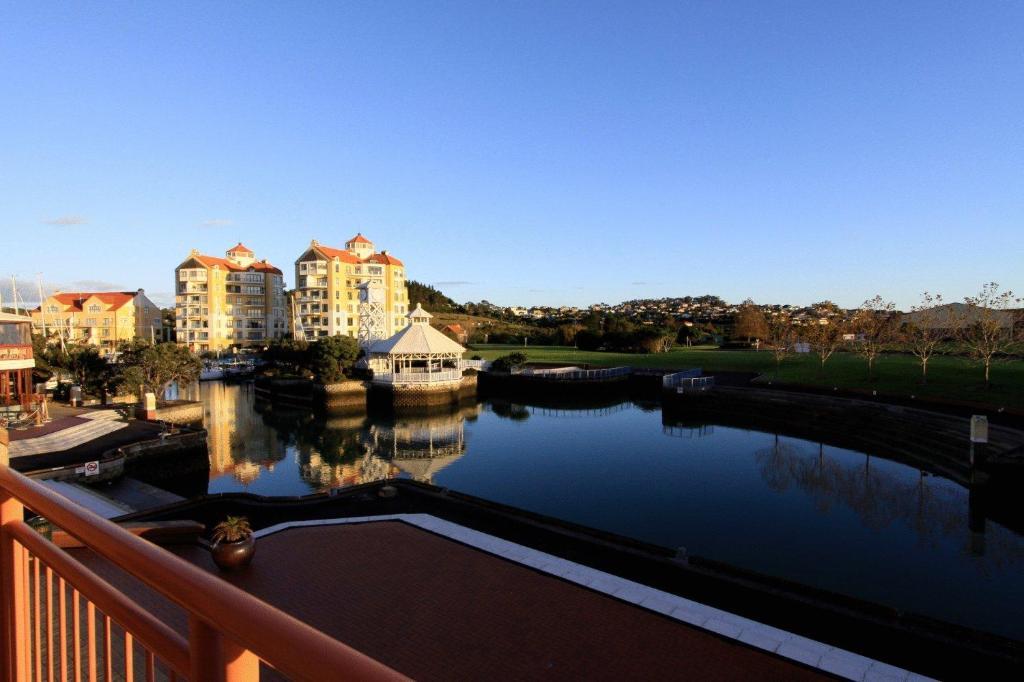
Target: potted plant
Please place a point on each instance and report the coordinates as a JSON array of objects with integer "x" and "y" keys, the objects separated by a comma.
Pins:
[{"x": 233, "y": 544}]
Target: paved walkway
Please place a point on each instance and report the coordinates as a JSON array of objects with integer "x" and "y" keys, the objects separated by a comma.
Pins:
[{"x": 70, "y": 432}]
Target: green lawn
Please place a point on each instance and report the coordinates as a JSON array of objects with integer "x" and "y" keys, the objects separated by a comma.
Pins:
[{"x": 949, "y": 378}]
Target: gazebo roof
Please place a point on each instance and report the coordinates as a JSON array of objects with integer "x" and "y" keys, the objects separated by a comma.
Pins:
[{"x": 419, "y": 338}]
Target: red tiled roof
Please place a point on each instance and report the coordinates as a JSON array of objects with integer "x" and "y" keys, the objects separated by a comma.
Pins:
[
  {"x": 359, "y": 239},
  {"x": 346, "y": 256},
  {"x": 384, "y": 259},
  {"x": 341, "y": 254},
  {"x": 260, "y": 266},
  {"x": 115, "y": 299},
  {"x": 454, "y": 328},
  {"x": 240, "y": 248}
]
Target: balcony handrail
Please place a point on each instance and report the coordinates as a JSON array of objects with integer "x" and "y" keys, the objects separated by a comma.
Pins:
[
  {"x": 172, "y": 647},
  {"x": 294, "y": 648}
]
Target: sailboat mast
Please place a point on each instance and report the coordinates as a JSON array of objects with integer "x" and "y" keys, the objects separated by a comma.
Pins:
[
  {"x": 14, "y": 293},
  {"x": 42, "y": 310}
]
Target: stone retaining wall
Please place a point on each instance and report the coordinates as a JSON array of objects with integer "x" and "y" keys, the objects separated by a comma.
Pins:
[
  {"x": 179, "y": 452},
  {"x": 182, "y": 413}
]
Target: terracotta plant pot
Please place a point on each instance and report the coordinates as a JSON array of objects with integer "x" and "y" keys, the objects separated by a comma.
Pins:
[{"x": 232, "y": 556}]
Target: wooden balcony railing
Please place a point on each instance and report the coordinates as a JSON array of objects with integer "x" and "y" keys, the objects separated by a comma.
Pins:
[{"x": 62, "y": 621}]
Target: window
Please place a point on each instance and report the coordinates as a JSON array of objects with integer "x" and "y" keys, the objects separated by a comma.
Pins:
[{"x": 94, "y": 308}]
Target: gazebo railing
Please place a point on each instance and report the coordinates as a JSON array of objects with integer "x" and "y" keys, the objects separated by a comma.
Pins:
[{"x": 418, "y": 377}]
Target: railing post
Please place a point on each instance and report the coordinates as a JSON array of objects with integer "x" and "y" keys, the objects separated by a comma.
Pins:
[
  {"x": 214, "y": 658},
  {"x": 13, "y": 599}
]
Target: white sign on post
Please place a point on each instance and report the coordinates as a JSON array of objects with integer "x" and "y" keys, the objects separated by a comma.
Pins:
[{"x": 92, "y": 468}]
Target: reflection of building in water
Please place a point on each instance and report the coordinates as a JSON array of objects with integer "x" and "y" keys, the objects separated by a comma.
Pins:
[
  {"x": 324, "y": 474},
  {"x": 240, "y": 443},
  {"x": 334, "y": 453},
  {"x": 421, "y": 446}
]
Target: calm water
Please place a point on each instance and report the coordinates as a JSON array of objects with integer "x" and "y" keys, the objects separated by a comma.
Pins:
[{"x": 820, "y": 515}]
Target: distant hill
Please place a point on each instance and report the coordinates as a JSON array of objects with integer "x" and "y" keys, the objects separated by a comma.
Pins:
[{"x": 432, "y": 299}]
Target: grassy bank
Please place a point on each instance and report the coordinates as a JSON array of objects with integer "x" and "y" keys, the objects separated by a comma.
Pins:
[{"x": 949, "y": 378}]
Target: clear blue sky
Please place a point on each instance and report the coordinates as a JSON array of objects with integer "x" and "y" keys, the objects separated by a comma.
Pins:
[{"x": 526, "y": 153}]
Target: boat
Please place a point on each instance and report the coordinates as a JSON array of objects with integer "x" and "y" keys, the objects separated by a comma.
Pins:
[{"x": 211, "y": 371}]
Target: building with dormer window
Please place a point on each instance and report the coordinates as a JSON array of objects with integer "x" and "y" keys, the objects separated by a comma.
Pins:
[
  {"x": 100, "y": 318},
  {"x": 232, "y": 302},
  {"x": 325, "y": 301}
]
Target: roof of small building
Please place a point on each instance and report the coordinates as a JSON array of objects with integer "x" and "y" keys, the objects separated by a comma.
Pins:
[
  {"x": 240, "y": 248},
  {"x": 75, "y": 301},
  {"x": 455, "y": 328},
  {"x": 359, "y": 239},
  {"x": 419, "y": 338}
]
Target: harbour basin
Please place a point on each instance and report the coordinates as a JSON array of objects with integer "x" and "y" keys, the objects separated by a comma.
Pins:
[{"x": 824, "y": 516}]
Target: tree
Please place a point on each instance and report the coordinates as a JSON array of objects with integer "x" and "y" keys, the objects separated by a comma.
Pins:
[
  {"x": 332, "y": 357},
  {"x": 507, "y": 362},
  {"x": 87, "y": 368},
  {"x": 588, "y": 340},
  {"x": 430, "y": 297},
  {"x": 289, "y": 355},
  {"x": 824, "y": 338},
  {"x": 153, "y": 368},
  {"x": 750, "y": 322},
  {"x": 826, "y": 309},
  {"x": 780, "y": 336},
  {"x": 874, "y": 323},
  {"x": 43, "y": 357},
  {"x": 924, "y": 329},
  {"x": 986, "y": 325}
]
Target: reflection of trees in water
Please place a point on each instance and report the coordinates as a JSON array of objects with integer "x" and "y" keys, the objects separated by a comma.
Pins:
[
  {"x": 931, "y": 508},
  {"x": 508, "y": 410}
]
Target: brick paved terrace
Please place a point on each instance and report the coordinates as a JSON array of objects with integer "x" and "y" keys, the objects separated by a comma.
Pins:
[{"x": 433, "y": 607}]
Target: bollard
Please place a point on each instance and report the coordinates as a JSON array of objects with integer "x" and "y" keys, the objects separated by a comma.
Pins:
[
  {"x": 979, "y": 440},
  {"x": 147, "y": 407},
  {"x": 76, "y": 396}
]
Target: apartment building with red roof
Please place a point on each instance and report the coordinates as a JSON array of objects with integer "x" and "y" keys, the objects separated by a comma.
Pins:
[
  {"x": 232, "y": 302},
  {"x": 328, "y": 284}
]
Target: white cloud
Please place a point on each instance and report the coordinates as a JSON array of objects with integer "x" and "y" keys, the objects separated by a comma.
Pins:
[{"x": 67, "y": 220}]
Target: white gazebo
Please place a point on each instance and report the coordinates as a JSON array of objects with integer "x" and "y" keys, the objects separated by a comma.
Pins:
[{"x": 418, "y": 355}]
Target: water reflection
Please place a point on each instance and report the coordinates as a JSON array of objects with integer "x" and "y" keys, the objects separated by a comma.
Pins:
[
  {"x": 826, "y": 516},
  {"x": 250, "y": 439}
]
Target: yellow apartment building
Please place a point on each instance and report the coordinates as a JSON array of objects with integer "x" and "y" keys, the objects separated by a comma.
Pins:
[
  {"x": 230, "y": 302},
  {"x": 326, "y": 296},
  {"x": 100, "y": 318}
]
